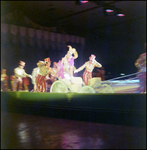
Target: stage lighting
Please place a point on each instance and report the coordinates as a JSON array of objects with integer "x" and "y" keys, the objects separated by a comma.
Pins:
[
  {"x": 79, "y": 2},
  {"x": 108, "y": 10},
  {"x": 118, "y": 12},
  {"x": 112, "y": 10}
]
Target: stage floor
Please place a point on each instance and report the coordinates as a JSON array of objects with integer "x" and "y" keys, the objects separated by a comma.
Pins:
[
  {"x": 21, "y": 131},
  {"x": 74, "y": 120}
]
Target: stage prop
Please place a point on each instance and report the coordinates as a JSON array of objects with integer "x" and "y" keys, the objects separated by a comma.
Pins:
[{"x": 76, "y": 84}]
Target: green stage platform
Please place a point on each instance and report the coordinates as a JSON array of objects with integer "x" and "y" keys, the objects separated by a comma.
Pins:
[{"x": 114, "y": 108}]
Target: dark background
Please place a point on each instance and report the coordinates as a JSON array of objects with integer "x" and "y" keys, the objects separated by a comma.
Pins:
[{"x": 116, "y": 42}]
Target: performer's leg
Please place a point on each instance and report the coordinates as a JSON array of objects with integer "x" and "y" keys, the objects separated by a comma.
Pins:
[
  {"x": 20, "y": 84},
  {"x": 37, "y": 81},
  {"x": 26, "y": 87},
  {"x": 2, "y": 86},
  {"x": 15, "y": 84},
  {"x": 44, "y": 86},
  {"x": 85, "y": 77},
  {"x": 12, "y": 83}
]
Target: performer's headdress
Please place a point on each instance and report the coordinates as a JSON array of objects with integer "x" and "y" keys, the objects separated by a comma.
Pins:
[
  {"x": 47, "y": 60},
  {"x": 92, "y": 57},
  {"x": 70, "y": 49},
  {"x": 40, "y": 63},
  {"x": 22, "y": 63}
]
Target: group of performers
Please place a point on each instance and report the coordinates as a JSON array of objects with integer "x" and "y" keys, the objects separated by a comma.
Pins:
[
  {"x": 44, "y": 74},
  {"x": 65, "y": 68}
]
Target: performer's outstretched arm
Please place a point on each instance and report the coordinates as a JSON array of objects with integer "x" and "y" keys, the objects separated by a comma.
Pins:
[
  {"x": 75, "y": 53},
  {"x": 80, "y": 68}
]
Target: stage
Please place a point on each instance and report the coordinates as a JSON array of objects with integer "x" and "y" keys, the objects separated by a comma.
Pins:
[{"x": 109, "y": 108}]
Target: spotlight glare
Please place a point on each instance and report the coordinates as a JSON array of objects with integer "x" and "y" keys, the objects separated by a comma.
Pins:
[
  {"x": 109, "y": 10},
  {"x": 84, "y": 1},
  {"x": 120, "y": 15}
]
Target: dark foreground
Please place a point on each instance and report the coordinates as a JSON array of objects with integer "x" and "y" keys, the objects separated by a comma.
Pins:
[{"x": 71, "y": 121}]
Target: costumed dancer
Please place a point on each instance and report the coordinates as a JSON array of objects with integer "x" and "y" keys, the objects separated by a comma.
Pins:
[
  {"x": 68, "y": 62},
  {"x": 34, "y": 75},
  {"x": 19, "y": 73},
  {"x": 140, "y": 63},
  {"x": 44, "y": 71},
  {"x": 4, "y": 80},
  {"x": 89, "y": 66},
  {"x": 60, "y": 70},
  {"x": 52, "y": 76},
  {"x": 40, "y": 79}
]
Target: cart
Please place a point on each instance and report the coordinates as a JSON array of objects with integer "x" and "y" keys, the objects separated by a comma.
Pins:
[
  {"x": 95, "y": 85},
  {"x": 77, "y": 85}
]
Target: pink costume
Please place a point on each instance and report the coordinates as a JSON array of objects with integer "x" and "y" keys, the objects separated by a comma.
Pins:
[
  {"x": 71, "y": 61},
  {"x": 60, "y": 72}
]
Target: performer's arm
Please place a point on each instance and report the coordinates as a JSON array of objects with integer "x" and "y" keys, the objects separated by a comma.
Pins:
[
  {"x": 70, "y": 48},
  {"x": 80, "y": 68},
  {"x": 97, "y": 64},
  {"x": 62, "y": 61},
  {"x": 25, "y": 74},
  {"x": 53, "y": 73},
  {"x": 75, "y": 53}
]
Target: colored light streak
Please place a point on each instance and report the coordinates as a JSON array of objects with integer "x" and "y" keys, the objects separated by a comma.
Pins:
[
  {"x": 120, "y": 15},
  {"x": 84, "y": 2},
  {"x": 109, "y": 10}
]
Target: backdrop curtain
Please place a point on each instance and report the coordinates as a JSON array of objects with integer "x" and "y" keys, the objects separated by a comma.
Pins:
[{"x": 31, "y": 45}]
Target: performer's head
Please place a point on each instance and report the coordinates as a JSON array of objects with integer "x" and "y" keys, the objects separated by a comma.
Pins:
[
  {"x": 3, "y": 71},
  {"x": 92, "y": 57},
  {"x": 21, "y": 64},
  {"x": 54, "y": 64},
  {"x": 47, "y": 61}
]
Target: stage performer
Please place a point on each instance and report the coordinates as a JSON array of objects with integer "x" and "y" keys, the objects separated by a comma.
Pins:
[
  {"x": 140, "y": 63},
  {"x": 26, "y": 84},
  {"x": 12, "y": 77},
  {"x": 52, "y": 77},
  {"x": 44, "y": 71},
  {"x": 68, "y": 62},
  {"x": 34, "y": 75},
  {"x": 19, "y": 73},
  {"x": 60, "y": 70},
  {"x": 89, "y": 66},
  {"x": 4, "y": 80}
]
